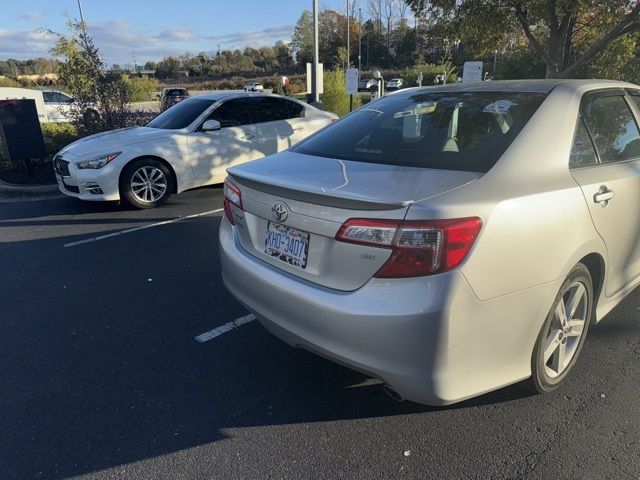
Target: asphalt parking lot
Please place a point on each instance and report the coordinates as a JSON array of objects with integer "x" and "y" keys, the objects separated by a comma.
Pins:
[{"x": 101, "y": 375}]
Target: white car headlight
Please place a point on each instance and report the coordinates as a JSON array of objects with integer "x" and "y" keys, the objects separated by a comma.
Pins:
[{"x": 97, "y": 162}]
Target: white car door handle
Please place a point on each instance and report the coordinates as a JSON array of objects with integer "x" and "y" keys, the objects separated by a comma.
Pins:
[
  {"x": 297, "y": 129},
  {"x": 603, "y": 196}
]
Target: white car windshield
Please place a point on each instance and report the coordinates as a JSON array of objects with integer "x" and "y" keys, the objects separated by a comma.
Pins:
[{"x": 181, "y": 115}]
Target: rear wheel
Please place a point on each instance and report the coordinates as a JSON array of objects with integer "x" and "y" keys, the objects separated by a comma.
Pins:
[
  {"x": 146, "y": 183},
  {"x": 563, "y": 333}
]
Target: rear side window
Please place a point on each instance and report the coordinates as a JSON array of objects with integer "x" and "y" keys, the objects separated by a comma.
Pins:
[
  {"x": 233, "y": 113},
  {"x": 613, "y": 128},
  {"x": 582, "y": 151},
  {"x": 270, "y": 109},
  {"x": 448, "y": 130}
]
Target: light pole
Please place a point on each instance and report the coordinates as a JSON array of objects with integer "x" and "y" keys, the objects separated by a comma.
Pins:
[
  {"x": 314, "y": 66},
  {"x": 495, "y": 61},
  {"x": 359, "y": 41},
  {"x": 84, "y": 26},
  {"x": 348, "y": 39}
]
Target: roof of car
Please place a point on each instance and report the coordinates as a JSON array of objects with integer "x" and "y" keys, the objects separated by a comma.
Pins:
[
  {"x": 534, "y": 86},
  {"x": 222, "y": 95}
]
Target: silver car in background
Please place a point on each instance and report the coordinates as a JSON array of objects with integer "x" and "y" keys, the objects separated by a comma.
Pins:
[{"x": 446, "y": 240}]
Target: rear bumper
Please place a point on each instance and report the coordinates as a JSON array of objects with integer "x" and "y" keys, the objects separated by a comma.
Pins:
[{"x": 428, "y": 338}]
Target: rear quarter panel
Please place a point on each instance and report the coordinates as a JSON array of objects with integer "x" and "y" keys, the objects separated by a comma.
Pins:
[{"x": 536, "y": 224}]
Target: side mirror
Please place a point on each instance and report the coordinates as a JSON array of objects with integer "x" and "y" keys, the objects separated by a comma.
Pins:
[
  {"x": 158, "y": 95},
  {"x": 211, "y": 125}
]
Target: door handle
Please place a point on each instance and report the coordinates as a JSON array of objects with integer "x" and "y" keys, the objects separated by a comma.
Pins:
[
  {"x": 297, "y": 129},
  {"x": 249, "y": 137},
  {"x": 603, "y": 195}
]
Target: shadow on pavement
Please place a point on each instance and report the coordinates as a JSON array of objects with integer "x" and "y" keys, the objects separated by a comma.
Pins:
[{"x": 100, "y": 367}]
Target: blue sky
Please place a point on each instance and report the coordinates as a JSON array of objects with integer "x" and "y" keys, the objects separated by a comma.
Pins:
[{"x": 152, "y": 29}]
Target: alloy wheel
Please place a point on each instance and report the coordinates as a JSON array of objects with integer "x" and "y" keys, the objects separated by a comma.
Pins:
[
  {"x": 148, "y": 184},
  {"x": 565, "y": 330}
]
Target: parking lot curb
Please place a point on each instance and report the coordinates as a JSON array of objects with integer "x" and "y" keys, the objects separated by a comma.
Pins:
[{"x": 11, "y": 192}]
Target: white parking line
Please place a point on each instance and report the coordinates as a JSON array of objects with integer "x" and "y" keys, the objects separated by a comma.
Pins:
[
  {"x": 227, "y": 327},
  {"x": 131, "y": 230}
]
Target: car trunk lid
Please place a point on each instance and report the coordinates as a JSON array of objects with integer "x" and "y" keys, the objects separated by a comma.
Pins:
[{"x": 319, "y": 194}]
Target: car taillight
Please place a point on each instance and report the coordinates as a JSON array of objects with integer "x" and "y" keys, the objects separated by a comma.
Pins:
[
  {"x": 418, "y": 247},
  {"x": 232, "y": 195}
]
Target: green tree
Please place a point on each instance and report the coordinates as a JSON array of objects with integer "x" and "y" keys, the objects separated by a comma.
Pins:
[
  {"x": 168, "y": 67},
  {"x": 335, "y": 97},
  {"x": 302, "y": 39},
  {"x": 283, "y": 56},
  {"x": 101, "y": 96},
  {"x": 553, "y": 28}
]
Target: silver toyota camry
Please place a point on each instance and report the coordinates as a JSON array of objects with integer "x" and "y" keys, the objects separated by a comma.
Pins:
[{"x": 446, "y": 240}]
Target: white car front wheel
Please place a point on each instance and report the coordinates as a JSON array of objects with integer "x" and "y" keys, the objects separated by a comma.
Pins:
[{"x": 146, "y": 183}]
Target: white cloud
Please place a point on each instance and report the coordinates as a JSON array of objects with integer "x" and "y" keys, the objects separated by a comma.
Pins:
[
  {"x": 253, "y": 38},
  {"x": 182, "y": 34},
  {"x": 25, "y": 44},
  {"x": 30, "y": 16},
  {"x": 119, "y": 39}
]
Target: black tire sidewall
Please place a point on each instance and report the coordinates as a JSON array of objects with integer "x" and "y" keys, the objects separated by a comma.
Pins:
[
  {"x": 125, "y": 182},
  {"x": 540, "y": 379}
]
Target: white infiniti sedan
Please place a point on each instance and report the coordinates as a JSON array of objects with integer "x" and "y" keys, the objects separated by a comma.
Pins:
[{"x": 189, "y": 145}]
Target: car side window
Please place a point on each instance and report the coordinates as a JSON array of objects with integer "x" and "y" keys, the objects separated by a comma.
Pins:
[
  {"x": 233, "y": 113},
  {"x": 635, "y": 96},
  {"x": 62, "y": 98},
  {"x": 582, "y": 152},
  {"x": 613, "y": 128},
  {"x": 48, "y": 97},
  {"x": 270, "y": 109}
]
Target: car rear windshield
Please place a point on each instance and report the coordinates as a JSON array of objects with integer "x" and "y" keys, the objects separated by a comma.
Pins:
[
  {"x": 177, "y": 92},
  {"x": 181, "y": 115},
  {"x": 446, "y": 130}
]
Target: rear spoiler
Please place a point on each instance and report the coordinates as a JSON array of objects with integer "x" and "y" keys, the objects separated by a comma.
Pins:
[{"x": 328, "y": 198}]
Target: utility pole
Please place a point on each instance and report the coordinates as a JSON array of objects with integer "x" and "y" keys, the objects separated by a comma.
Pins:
[
  {"x": 359, "y": 40},
  {"x": 348, "y": 40},
  {"x": 84, "y": 26},
  {"x": 314, "y": 66}
]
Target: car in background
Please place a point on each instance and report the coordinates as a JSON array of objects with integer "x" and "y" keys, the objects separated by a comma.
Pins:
[
  {"x": 394, "y": 84},
  {"x": 189, "y": 145},
  {"x": 449, "y": 240},
  {"x": 367, "y": 85},
  {"x": 172, "y": 95},
  {"x": 254, "y": 87},
  {"x": 52, "y": 106}
]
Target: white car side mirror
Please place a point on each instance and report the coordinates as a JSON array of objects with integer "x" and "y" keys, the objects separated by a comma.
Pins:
[{"x": 211, "y": 125}]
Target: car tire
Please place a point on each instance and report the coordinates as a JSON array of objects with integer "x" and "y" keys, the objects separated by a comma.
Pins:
[
  {"x": 146, "y": 183},
  {"x": 560, "y": 341}
]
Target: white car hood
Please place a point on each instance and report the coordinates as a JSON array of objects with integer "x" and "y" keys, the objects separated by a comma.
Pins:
[{"x": 112, "y": 141}]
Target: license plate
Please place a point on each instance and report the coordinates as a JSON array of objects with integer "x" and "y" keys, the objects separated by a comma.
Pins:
[{"x": 287, "y": 244}]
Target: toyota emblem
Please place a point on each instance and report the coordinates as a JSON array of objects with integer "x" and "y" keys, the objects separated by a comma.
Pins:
[{"x": 280, "y": 211}]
